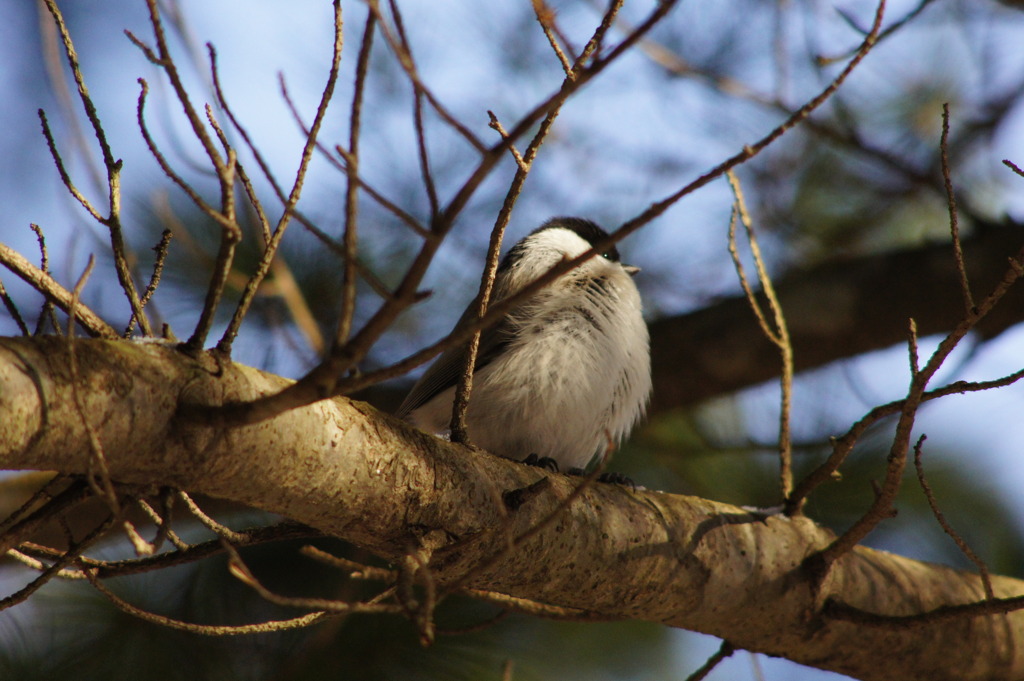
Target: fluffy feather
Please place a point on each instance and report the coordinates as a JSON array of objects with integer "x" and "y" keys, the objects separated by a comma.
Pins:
[{"x": 566, "y": 373}]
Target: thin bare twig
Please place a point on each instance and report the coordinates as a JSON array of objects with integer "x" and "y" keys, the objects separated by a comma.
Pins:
[
  {"x": 882, "y": 505},
  {"x": 113, "y": 167},
  {"x": 842, "y": 446},
  {"x": 1013, "y": 166},
  {"x": 700, "y": 673},
  {"x": 546, "y": 18},
  {"x": 154, "y": 280},
  {"x": 350, "y": 238},
  {"x": 23, "y": 522},
  {"x": 241, "y": 571},
  {"x": 251, "y": 286},
  {"x": 954, "y": 221},
  {"x": 46, "y": 491},
  {"x": 121, "y": 568},
  {"x": 165, "y": 166},
  {"x": 353, "y": 569},
  {"x": 12, "y": 310},
  {"x": 400, "y": 47},
  {"x": 222, "y": 531},
  {"x": 940, "y": 517},
  {"x": 46, "y": 313},
  {"x": 163, "y": 521},
  {"x": 204, "y": 629},
  {"x": 74, "y": 550},
  {"x": 65, "y": 177},
  {"x": 777, "y": 333},
  {"x": 341, "y": 164}
]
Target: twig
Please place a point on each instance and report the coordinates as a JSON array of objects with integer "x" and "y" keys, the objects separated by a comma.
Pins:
[
  {"x": 121, "y": 568},
  {"x": 12, "y": 310},
  {"x": 342, "y": 166},
  {"x": 779, "y": 335},
  {"x": 23, "y": 523},
  {"x": 405, "y": 59},
  {"x": 983, "y": 572},
  {"x": 163, "y": 521},
  {"x": 165, "y": 166},
  {"x": 524, "y": 162},
  {"x": 895, "y": 26},
  {"x": 1013, "y": 166},
  {"x": 61, "y": 297},
  {"x": 46, "y": 313},
  {"x": 954, "y": 222},
  {"x": 65, "y": 177},
  {"x": 546, "y": 18},
  {"x": 838, "y": 610},
  {"x": 204, "y": 629},
  {"x": 231, "y": 234},
  {"x": 154, "y": 279},
  {"x": 74, "y": 550},
  {"x": 251, "y": 286},
  {"x": 224, "y": 168},
  {"x": 241, "y": 571},
  {"x": 724, "y": 651},
  {"x": 536, "y": 608},
  {"x": 113, "y": 220},
  {"x": 882, "y": 505},
  {"x": 222, "y": 531},
  {"x": 496, "y": 125},
  {"x": 842, "y": 446},
  {"x": 354, "y": 569},
  {"x": 912, "y": 349},
  {"x": 46, "y": 491},
  {"x": 350, "y": 238}
]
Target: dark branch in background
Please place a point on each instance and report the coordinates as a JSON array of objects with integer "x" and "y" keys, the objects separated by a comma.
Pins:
[{"x": 847, "y": 308}]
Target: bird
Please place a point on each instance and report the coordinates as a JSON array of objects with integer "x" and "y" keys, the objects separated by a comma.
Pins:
[{"x": 565, "y": 375}]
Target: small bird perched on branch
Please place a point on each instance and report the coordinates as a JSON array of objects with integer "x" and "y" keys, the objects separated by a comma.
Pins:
[{"x": 563, "y": 376}]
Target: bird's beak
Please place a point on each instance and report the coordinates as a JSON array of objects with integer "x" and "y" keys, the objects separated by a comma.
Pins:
[{"x": 631, "y": 270}]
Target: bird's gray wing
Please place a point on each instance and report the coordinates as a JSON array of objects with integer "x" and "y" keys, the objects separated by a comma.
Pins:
[{"x": 446, "y": 371}]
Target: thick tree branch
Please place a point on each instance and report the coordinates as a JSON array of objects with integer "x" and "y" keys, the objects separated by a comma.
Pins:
[{"x": 347, "y": 470}]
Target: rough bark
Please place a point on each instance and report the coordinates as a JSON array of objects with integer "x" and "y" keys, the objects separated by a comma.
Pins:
[{"x": 353, "y": 472}]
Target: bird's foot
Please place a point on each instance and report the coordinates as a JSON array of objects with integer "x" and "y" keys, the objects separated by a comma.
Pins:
[
  {"x": 545, "y": 462},
  {"x": 610, "y": 478}
]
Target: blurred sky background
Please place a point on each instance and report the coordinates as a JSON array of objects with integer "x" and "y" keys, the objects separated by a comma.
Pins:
[{"x": 630, "y": 138}]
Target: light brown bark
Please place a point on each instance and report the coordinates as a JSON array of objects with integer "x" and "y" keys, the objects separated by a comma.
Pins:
[{"x": 353, "y": 472}]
